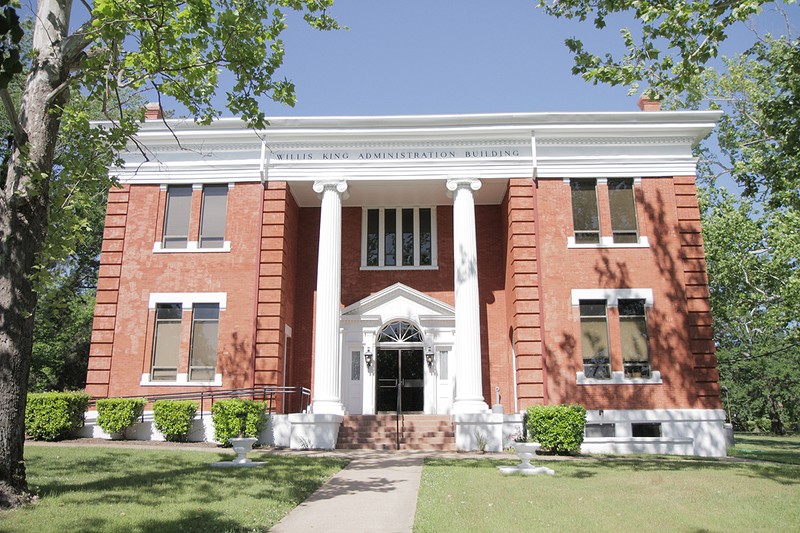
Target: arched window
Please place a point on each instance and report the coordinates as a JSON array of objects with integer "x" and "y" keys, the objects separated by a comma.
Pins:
[{"x": 399, "y": 331}]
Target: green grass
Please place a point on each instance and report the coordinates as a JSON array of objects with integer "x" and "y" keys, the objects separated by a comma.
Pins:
[
  {"x": 609, "y": 495},
  {"x": 766, "y": 448},
  {"x": 90, "y": 489}
]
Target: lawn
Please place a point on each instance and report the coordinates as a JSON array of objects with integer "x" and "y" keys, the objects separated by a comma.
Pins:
[
  {"x": 90, "y": 489},
  {"x": 610, "y": 494},
  {"x": 767, "y": 448}
]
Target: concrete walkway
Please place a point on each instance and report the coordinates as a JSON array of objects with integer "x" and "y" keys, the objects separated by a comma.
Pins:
[{"x": 375, "y": 492}]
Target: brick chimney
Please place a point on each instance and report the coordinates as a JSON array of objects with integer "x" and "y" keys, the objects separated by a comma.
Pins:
[
  {"x": 152, "y": 111},
  {"x": 647, "y": 104}
]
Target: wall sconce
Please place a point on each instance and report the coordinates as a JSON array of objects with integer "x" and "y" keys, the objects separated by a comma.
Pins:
[
  {"x": 429, "y": 357},
  {"x": 368, "y": 357}
]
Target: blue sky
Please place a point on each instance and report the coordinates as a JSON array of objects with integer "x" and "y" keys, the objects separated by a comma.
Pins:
[{"x": 437, "y": 56}]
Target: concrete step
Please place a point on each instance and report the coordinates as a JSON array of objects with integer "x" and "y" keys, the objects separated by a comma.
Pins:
[{"x": 379, "y": 432}]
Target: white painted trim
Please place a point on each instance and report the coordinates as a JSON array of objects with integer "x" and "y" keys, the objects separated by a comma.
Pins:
[
  {"x": 423, "y": 267},
  {"x": 191, "y": 247},
  {"x": 162, "y": 187},
  {"x": 197, "y": 186},
  {"x": 612, "y": 296},
  {"x": 187, "y": 299},
  {"x": 618, "y": 378},
  {"x": 608, "y": 242},
  {"x": 181, "y": 380}
]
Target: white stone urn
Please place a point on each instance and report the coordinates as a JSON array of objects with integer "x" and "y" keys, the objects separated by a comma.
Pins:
[
  {"x": 526, "y": 451},
  {"x": 242, "y": 446}
]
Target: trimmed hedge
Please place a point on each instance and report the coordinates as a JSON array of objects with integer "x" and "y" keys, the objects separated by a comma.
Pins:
[
  {"x": 173, "y": 418},
  {"x": 52, "y": 415},
  {"x": 236, "y": 417},
  {"x": 115, "y": 415},
  {"x": 558, "y": 428}
]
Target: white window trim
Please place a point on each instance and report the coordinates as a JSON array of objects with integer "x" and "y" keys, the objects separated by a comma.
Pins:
[
  {"x": 182, "y": 380},
  {"x": 188, "y": 299},
  {"x": 618, "y": 378},
  {"x": 381, "y": 255},
  {"x": 608, "y": 242},
  {"x": 612, "y": 296},
  {"x": 191, "y": 246}
]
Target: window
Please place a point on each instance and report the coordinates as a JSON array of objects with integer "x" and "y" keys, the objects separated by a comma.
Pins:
[
  {"x": 212, "y": 217},
  {"x": 633, "y": 333},
  {"x": 355, "y": 365},
  {"x": 594, "y": 339},
  {"x": 585, "y": 220},
  {"x": 600, "y": 430},
  {"x": 177, "y": 216},
  {"x": 203, "y": 352},
  {"x": 399, "y": 237},
  {"x": 648, "y": 429},
  {"x": 623, "y": 211},
  {"x": 166, "y": 342}
]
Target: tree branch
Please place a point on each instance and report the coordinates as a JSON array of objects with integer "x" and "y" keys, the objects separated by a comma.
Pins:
[{"x": 20, "y": 137}]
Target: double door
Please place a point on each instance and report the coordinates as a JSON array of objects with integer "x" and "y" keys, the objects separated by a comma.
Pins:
[{"x": 400, "y": 378}]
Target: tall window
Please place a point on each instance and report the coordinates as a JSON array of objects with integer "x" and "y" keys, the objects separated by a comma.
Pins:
[
  {"x": 399, "y": 237},
  {"x": 594, "y": 339},
  {"x": 205, "y": 332},
  {"x": 167, "y": 342},
  {"x": 633, "y": 330},
  {"x": 176, "y": 217},
  {"x": 585, "y": 220},
  {"x": 212, "y": 218},
  {"x": 623, "y": 211}
]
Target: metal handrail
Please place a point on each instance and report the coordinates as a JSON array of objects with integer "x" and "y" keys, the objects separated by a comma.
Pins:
[{"x": 265, "y": 394}]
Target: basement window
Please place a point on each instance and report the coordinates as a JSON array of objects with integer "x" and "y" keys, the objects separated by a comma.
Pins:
[{"x": 648, "y": 429}]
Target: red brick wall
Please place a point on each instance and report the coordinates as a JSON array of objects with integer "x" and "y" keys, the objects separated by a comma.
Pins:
[
  {"x": 105, "y": 312},
  {"x": 276, "y": 283},
  {"x": 144, "y": 272},
  {"x": 660, "y": 267},
  {"x": 523, "y": 312}
]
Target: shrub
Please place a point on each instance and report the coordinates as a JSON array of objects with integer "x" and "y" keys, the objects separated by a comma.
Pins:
[
  {"x": 236, "y": 417},
  {"x": 52, "y": 415},
  {"x": 117, "y": 414},
  {"x": 759, "y": 425},
  {"x": 173, "y": 418},
  {"x": 558, "y": 428}
]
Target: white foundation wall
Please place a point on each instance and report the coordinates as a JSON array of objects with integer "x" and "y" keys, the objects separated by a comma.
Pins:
[{"x": 697, "y": 432}]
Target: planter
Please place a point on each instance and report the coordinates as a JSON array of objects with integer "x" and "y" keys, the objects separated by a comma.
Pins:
[
  {"x": 526, "y": 451},
  {"x": 242, "y": 446}
]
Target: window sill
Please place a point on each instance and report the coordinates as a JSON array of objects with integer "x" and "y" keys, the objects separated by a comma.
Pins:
[
  {"x": 424, "y": 267},
  {"x": 608, "y": 242},
  {"x": 182, "y": 380},
  {"x": 191, "y": 247},
  {"x": 618, "y": 378}
]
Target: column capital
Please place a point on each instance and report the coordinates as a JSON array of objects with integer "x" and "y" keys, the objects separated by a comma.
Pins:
[
  {"x": 340, "y": 186},
  {"x": 454, "y": 184}
]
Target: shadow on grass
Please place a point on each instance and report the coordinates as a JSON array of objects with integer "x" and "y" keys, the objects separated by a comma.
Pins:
[
  {"x": 590, "y": 467},
  {"x": 767, "y": 448},
  {"x": 146, "y": 478}
]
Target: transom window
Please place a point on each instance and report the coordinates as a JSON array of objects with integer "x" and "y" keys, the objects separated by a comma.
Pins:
[
  {"x": 399, "y": 237},
  {"x": 399, "y": 332}
]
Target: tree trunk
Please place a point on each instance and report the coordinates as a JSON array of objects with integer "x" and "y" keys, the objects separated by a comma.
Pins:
[{"x": 24, "y": 204}]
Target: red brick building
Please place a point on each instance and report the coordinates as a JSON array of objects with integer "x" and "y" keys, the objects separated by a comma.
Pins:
[{"x": 420, "y": 263}]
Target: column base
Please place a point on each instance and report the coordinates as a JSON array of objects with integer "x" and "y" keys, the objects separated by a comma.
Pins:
[
  {"x": 327, "y": 407},
  {"x": 470, "y": 407}
]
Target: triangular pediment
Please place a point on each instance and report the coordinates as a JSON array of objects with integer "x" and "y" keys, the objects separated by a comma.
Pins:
[{"x": 397, "y": 297}]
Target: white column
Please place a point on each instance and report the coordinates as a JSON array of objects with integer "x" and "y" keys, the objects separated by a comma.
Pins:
[
  {"x": 469, "y": 395},
  {"x": 327, "y": 356}
]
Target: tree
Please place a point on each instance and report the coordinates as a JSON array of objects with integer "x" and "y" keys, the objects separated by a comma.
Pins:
[{"x": 176, "y": 48}]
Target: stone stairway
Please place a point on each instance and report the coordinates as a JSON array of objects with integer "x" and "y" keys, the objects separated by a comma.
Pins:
[{"x": 379, "y": 432}]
